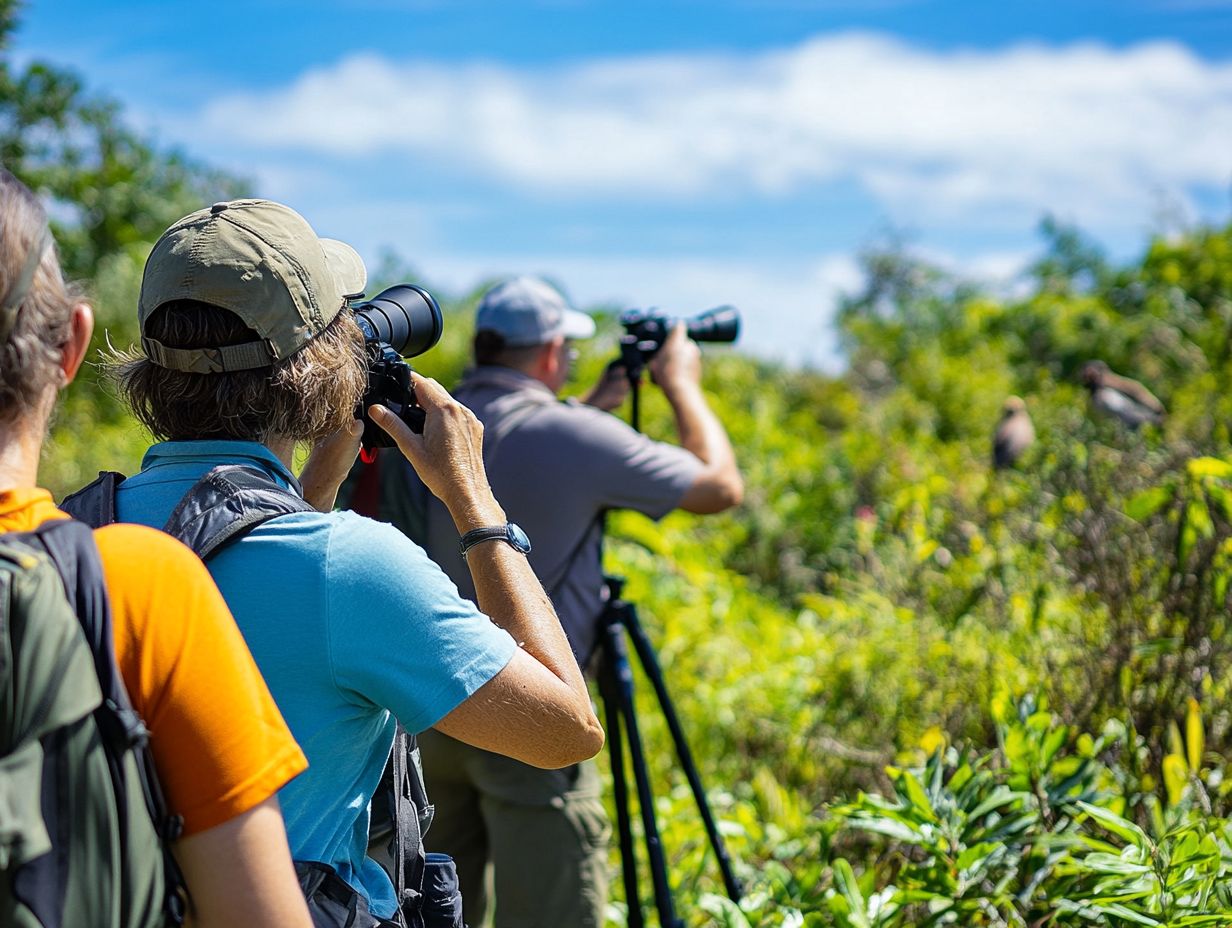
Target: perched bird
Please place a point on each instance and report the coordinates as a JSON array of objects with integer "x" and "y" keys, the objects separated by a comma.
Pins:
[
  {"x": 1121, "y": 397},
  {"x": 1014, "y": 434}
]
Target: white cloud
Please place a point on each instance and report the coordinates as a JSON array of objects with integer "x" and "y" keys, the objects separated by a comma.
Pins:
[{"x": 931, "y": 135}]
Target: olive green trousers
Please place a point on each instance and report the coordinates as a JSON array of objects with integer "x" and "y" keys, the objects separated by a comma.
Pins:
[{"x": 530, "y": 844}]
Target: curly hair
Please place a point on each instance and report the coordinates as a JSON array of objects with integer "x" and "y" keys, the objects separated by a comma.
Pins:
[
  {"x": 304, "y": 397},
  {"x": 30, "y": 356}
]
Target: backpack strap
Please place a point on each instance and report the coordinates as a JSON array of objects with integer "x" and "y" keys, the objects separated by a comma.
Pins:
[
  {"x": 71, "y": 547},
  {"x": 228, "y": 503},
  {"x": 223, "y": 506},
  {"x": 406, "y": 845},
  {"x": 95, "y": 503}
]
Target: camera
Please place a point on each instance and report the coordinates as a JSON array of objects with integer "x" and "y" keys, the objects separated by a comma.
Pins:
[
  {"x": 400, "y": 322},
  {"x": 646, "y": 330}
]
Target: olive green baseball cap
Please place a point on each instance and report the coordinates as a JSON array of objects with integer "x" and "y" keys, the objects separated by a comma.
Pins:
[{"x": 260, "y": 260}]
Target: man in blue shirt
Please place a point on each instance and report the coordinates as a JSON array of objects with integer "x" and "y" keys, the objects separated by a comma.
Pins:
[{"x": 249, "y": 349}]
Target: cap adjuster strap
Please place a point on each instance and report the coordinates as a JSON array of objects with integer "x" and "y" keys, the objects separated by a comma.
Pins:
[
  {"x": 222, "y": 360},
  {"x": 21, "y": 286}
]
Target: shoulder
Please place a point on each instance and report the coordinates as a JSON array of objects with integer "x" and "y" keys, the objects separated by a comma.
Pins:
[
  {"x": 150, "y": 576},
  {"x": 580, "y": 424},
  {"x": 140, "y": 556},
  {"x": 351, "y": 534},
  {"x": 372, "y": 559}
]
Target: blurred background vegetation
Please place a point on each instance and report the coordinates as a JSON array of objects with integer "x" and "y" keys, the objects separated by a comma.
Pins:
[{"x": 920, "y": 690}]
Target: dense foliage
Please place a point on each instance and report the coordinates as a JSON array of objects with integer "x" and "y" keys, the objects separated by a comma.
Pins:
[
  {"x": 872, "y": 620},
  {"x": 921, "y": 691}
]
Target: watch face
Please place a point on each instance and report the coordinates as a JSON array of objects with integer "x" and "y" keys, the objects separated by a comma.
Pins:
[{"x": 518, "y": 538}]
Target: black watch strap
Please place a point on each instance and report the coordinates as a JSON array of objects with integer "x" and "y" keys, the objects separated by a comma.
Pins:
[{"x": 508, "y": 533}]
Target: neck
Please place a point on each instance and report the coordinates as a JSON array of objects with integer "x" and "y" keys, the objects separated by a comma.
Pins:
[
  {"x": 283, "y": 448},
  {"x": 19, "y": 456}
]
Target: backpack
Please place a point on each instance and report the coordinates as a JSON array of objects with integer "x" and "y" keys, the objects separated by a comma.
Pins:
[
  {"x": 219, "y": 509},
  {"x": 84, "y": 832}
]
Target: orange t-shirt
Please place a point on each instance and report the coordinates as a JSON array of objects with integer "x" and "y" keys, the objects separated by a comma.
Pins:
[{"x": 219, "y": 742}]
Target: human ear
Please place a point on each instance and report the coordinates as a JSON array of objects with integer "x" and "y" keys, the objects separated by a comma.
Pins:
[{"x": 73, "y": 352}]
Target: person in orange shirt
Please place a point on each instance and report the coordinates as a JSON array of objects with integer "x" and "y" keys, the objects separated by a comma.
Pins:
[{"x": 220, "y": 746}]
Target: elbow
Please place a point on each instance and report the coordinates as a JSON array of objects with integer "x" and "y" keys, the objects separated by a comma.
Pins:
[
  {"x": 591, "y": 741},
  {"x": 582, "y": 742},
  {"x": 732, "y": 494},
  {"x": 715, "y": 493}
]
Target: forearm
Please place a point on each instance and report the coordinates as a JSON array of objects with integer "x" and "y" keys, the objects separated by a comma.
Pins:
[
  {"x": 704, "y": 435},
  {"x": 507, "y": 590},
  {"x": 537, "y": 709},
  {"x": 699, "y": 428}
]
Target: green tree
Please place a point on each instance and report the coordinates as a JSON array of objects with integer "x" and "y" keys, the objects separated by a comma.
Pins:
[
  {"x": 112, "y": 190},
  {"x": 111, "y": 193}
]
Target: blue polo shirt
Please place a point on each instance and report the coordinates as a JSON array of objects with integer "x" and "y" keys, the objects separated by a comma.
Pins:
[{"x": 349, "y": 621}]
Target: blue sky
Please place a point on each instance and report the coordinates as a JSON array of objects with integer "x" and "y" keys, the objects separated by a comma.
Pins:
[{"x": 683, "y": 153}]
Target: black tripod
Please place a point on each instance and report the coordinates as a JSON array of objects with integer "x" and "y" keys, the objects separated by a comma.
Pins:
[{"x": 616, "y": 687}]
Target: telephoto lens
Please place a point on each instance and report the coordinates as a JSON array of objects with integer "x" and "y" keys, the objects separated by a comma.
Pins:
[
  {"x": 405, "y": 317},
  {"x": 646, "y": 330},
  {"x": 721, "y": 324}
]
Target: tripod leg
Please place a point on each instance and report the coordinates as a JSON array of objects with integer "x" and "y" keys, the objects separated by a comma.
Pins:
[
  {"x": 622, "y": 675},
  {"x": 609, "y": 689},
  {"x": 650, "y": 664}
]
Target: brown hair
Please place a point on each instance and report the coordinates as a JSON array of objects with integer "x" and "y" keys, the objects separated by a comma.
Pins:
[
  {"x": 30, "y": 356},
  {"x": 490, "y": 348},
  {"x": 305, "y": 397}
]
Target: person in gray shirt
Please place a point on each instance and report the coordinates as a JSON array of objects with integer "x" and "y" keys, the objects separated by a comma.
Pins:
[{"x": 556, "y": 467}]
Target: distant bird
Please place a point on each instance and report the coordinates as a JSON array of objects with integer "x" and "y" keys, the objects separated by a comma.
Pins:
[
  {"x": 1014, "y": 435},
  {"x": 1121, "y": 397}
]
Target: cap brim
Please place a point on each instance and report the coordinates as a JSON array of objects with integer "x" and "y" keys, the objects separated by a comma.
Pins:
[
  {"x": 576, "y": 325},
  {"x": 350, "y": 275}
]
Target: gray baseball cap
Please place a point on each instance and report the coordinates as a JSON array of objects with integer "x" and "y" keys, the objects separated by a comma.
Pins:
[
  {"x": 526, "y": 311},
  {"x": 260, "y": 260}
]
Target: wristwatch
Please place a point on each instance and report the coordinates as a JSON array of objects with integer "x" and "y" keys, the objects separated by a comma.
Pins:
[{"x": 508, "y": 533}]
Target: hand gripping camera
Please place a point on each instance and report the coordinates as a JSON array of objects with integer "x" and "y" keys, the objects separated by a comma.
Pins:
[
  {"x": 400, "y": 322},
  {"x": 646, "y": 330}
]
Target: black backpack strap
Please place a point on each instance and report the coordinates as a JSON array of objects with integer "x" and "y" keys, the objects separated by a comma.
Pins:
[
  {"x": 95, "y": 503},
  {"x": 228, "y": 503},
  {"x": 400, "y": 816},
  {"x": 72, "y": 550},
  {"x": 71, "y": 547},
  {"x": 406, "y": 844}
]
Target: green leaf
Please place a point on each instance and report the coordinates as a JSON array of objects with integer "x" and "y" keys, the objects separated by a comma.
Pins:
[
  {"x": 727, "y": 913},
  {"x": 1209, "y": 467},
  {"x": 975, "y": 854},
  {"x": 1000, "y": 797},
  {"x": 1176, "y": 777},
  {"x": 1120, "y": 911},
  {"x": 1120, "y": 827},
  {"x": 1195, "y": 738},
  {"x": 1142, "y": 506},
  {"x": 888, "y": 827},
  {"x": 845, "y": 880},
  {"x": 917, "y": 796},
  {"x": 1114, "y": 863},
  {"x": 1053, "y": 742}
]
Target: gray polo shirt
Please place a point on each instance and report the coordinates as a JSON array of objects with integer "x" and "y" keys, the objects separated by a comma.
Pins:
[{"x": 555, "y": 467}]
